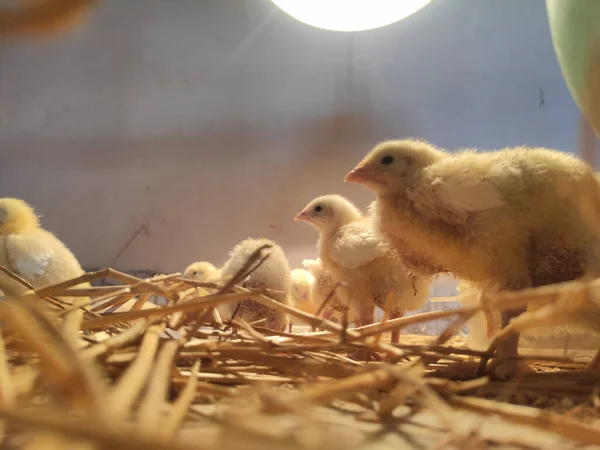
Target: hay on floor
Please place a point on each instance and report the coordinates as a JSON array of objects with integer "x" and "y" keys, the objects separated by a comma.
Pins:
[{"x": 175, "y": 377}]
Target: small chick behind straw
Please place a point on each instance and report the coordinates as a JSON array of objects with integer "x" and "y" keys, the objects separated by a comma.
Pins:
[
  {"x": 202, "y": 272},
  {"x": 273, "y": 274},
  {"x": 302, "y": 281},
  {"x": 302, "y": 284},
  {"x": 353, "y": 253},
  {"x": 325, "y": 287}
]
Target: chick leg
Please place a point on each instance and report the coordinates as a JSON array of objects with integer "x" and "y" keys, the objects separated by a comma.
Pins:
[
  {"x": 396, "y": 314},
  {"x": 366, "y": 317},
  {"x": 509, "y": 348}
]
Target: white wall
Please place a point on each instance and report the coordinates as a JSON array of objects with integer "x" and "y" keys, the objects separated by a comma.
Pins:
[{"x": 210, "y": 121}]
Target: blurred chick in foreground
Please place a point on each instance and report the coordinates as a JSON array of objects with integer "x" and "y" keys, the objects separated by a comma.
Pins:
[
  {"x": 503, "y": 220},
  {"x": 325, "y": 287},
  {"x": 355, "y": 254},
  {"x": 273, "y": 274},
  {"x": 36, "y": 255},
  {"x": 202, "y": 272}
]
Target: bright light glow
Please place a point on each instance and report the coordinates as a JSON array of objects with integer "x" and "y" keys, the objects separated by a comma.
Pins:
[{"x": 350, "y": 15}]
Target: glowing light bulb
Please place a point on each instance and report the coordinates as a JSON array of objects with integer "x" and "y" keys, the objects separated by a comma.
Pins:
[{"x": 350, "y": 15}]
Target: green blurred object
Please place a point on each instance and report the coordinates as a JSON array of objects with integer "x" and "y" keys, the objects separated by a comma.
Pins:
[{"x": 575, "y": 28}]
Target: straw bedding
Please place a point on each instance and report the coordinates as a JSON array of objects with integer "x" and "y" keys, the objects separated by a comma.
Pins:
[{"x": 174, "y": 376}]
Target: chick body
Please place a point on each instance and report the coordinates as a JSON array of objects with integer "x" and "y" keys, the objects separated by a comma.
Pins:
[
  {"x": 302, "y": 282},
  {"x": 202, "y": 272},
  {"x": 35, "y": 254},
  {"x": 353, "y": 253},
  {"x": 495, "y": 217},
  {"x": 273, "y": 274},
  {"x": 30, "y": 251},
  {"x": 504, "y": 220}
]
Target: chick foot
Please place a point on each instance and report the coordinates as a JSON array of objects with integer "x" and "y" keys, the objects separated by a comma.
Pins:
[{"x": 508, "y": 352}]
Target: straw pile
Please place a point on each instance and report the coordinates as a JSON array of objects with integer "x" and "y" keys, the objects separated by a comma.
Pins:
[{"x": 174, "y": 377}]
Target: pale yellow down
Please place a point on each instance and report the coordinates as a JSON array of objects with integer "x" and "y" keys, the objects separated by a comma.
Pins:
[
  {"x": 302, "y": 281},
  {"x": 505, "y": 218},
  {"x": 202, "y": 272},
  {"x": 33, "y": 253},
  {"x": 353, "y": 253},
  {"x": 502, "y": 220},
  {"x": 30, "y": 251}
]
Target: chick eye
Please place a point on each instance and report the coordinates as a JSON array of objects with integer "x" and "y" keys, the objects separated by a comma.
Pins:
[
  {"x": 387, "y": 160},
  {"x": 318, "y": 208},
  {"x": 194, "y": 273}
]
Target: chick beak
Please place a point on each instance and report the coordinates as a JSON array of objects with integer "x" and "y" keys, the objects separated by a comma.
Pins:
[
  {"x": 303, "y": 217},
  {"x": 360, "y": 174}
]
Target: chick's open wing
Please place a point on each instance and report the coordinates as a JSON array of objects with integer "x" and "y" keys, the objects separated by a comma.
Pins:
[
  {"x": 29, "y": 254},
  {"x": 355, "y": 247}
]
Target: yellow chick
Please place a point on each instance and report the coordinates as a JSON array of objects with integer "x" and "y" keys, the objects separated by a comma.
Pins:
[
  {"x": 325, "y": 287},
  {"x": 35, "y": 254},
  {"x": 302, "y": 281},
  {"x": 202, "y": 272},
  {"x": 353, "y": 253},
  {"x": 273, "y": 274},
  {"x": 501, "y": 219}
]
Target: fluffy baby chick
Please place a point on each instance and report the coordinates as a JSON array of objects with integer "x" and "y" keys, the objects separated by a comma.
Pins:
[
  {"x": 35, "y": 254},
  {"x": 354, "y": 254},
  {"x": 503, "y": 218},
  {"x": 302, "y": 281},
  {"x": 273, "y": 274},
  {"x": 30, "y": 251},
  {"x": 202, "y": 272}
]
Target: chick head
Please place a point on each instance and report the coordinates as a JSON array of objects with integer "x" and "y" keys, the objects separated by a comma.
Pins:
[
  {"x": 328, "y": 213},
  {"x": 391, "y": 164},
  {"x": 200, "y": 271},
  {"x": 301, "y": 282},
  {"x": 16, "y": 216}
]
